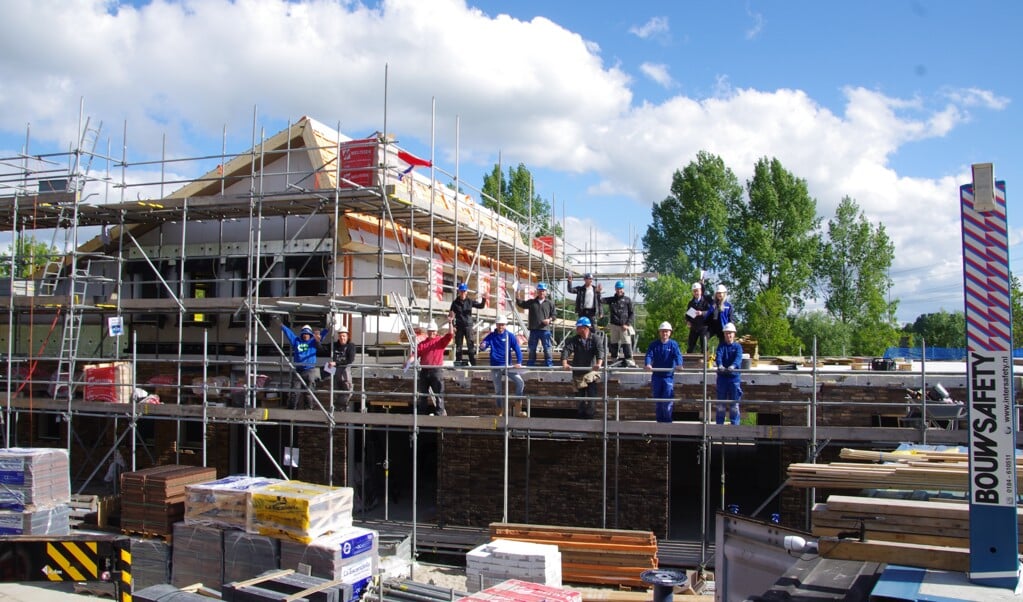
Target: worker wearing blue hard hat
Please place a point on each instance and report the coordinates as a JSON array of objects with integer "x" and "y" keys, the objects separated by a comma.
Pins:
[
  {"x": 583, "y": 354},
  {"x": 540, "y": 312},
  {"x": 621, "y": 318}
]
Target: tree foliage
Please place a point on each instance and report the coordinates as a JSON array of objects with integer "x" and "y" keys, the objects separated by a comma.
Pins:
[
  {"x": 1016, "y": 301},
  {"x": 665, "y": 301},
  {"x": 30, "y": 255},
  {"x": 852, "y": 270},
  {"x": 515, "y": 198},
  {"x": 766, "y": 321},
  {"x": 775, "y": 235},
  {"x": 940, "y": 329},
  {"x": 833, "y": 337},
  {"x": 688, "y": 228}
]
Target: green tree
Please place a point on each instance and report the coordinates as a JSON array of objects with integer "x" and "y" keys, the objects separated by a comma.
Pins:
[
  {"x": 687, "y": 232},
  {"x": 665, "y": 300},
  {"x": 30, "y": 255},
  {"x": 1016, "y": 301},
  {"x": 776, "y": 238},
  {"x": 765, "y": 320},
  {"x": 833, "y": 337},
  {"x": 515, "y": 198},
  {"x": 852, "y": 269},
  {"x": 940, "y": 329}
]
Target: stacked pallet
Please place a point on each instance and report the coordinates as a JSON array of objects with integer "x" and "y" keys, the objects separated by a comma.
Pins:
[
  {"x": 598, "y": 556},
  {"x": 491, "y": 563},
  {"x": 275, "y": 586},
  {"x": 197, "y": 556},
  {"x": 222, "y": 503},
  {"x": 35, "y": 490},
  {"x": 153, "y": 499},
  {"x": 350, "y": 556},
  {"x": 108, "y": 382},
  {"x": 903, "y": 521},
  {"x": 514, "y": 590},
  {"x": 300, "y": 511}
]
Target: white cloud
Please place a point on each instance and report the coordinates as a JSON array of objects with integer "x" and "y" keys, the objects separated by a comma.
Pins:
[
  {"x": 539, "y": 93},
  {"x": 658, "y": 72},
  {"x": 656, "y": 27},
  {"x": 758, "y": 23}
]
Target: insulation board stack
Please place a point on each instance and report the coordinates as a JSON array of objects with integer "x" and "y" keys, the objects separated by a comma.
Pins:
[
  {"x": 286, "y": 585},
  {"x": 153, "y": 499},
  {"x": 109, "y": 382},
  {"x": 248, "y": 554},
  {"x": 514, "y": 590},
  {"x": 197, "y": 556},
  {"x": 350, "y": 555},
  {"x": 150, "y": 562},
  {"x": 34, "y": 520},
  {"x": 300, "y": 511},
  {"x": 34, "y": 477},
  {"x": 222, "y": 503},
  {"x": 503, "y": 559}
]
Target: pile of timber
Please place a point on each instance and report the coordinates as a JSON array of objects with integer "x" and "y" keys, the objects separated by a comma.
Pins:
[
  {"x": 153, "y": 499},
  {"x": 597, "y": 556},
  {"x": 905, "y": 521},
  {"x": 945, "y": 470}
]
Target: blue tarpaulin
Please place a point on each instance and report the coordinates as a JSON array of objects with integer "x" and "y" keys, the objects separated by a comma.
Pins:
[{"x": 935, "y": 354}]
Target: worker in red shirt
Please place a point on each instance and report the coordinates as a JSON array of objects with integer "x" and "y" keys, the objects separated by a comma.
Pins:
[{"x": 430, "y": 352}]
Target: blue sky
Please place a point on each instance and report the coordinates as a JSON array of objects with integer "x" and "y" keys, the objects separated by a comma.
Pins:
[{"x": 888, "y": 102}]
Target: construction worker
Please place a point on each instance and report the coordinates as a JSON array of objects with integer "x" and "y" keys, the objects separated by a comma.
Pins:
[
  {"x": 431, "y": 357},
  {"x": 621, "y": 317},
  {"x": 342, "y": 357},
  {"x": 501, "y": 344},
  {"x": 720, "y": 313},
  {"x": 728, "y": 360},
  {"x": 461, "y": 313},
  {"x": 663, "y": 357},
  {"x": 584, "y": 355},
  {"x": 587, "y": 298},
  {"x": 540, "y": 311},
  {"x": 306, "y": 375}
]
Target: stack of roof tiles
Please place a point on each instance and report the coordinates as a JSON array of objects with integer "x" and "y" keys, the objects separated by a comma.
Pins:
[{"x": 153, "y": 499}]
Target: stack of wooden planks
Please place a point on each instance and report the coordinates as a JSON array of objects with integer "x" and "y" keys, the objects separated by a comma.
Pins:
[
  {"x": 945, "y": 470},
  {"x": 904, "y": 521},
  {"x": 153, "y": 499},
  {"x": 599, "y": 556}
]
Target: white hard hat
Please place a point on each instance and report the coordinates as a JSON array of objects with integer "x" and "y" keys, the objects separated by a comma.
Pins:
[
  {"x": 342, "y": 330},
  {"x": 697, "y": 285},
  {"x": 501, "y": 320},
  {"x": 721, "y": 289},
  {"x": 431, "y": 325},
  {"x": 664, "y": 326},
  {"x": 728, "y": 328}
]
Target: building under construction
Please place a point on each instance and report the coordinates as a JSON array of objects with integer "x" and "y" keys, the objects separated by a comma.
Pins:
[{"x": 179, "y": 283}]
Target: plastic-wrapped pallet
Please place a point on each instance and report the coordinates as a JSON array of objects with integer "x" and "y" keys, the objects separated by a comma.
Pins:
[
  {"x": 248, "y": 554},
  {"x": 222, "y": 503},
  {"x": 198, "y": 556},
  {"x": 300, "y": 511},
  {"x": 150, "y": 562},
  {"x": 515, "y": 590},
  {"x": 350, "y": 555},
  {"x": 503, "y": 559},
  {"x": 34, "y": 477},
  {"x": 54, "y": 520}
]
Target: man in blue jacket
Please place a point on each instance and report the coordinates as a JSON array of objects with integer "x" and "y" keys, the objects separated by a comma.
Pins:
[
  {"x": 501, "y": 344},
  {"x": 306, "y": 374},
  {"x": 728, "y": 360},
  {"x": 663, "y": 357}
]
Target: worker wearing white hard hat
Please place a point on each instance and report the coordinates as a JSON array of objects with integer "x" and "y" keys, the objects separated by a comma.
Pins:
[
  {"x": 342, "y": 356},
  {"x": 697, "y": 314},
  {"x": 430, "y": 352},
  {"x": 505, "y": 362},
  {"x": 720, "y": 313},
  {"x": 663, "y": 357},
  {"x": 728, "y": 360}
]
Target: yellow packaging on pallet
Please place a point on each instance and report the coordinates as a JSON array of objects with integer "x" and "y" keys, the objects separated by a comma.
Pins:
[{"x": 300, "y": 511}]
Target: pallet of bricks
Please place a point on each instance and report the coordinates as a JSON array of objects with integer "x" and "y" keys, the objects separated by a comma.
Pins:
[
  {"x": 153, "y": 499},
  {"x": 35, "y": 491},
  {"x": 596, "y": 556}
]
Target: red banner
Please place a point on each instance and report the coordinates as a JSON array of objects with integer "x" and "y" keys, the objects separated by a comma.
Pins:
[{"x": 358, "y": 162}]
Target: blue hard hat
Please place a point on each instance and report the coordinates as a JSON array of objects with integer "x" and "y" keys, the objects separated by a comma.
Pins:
[
  {"x": 619, "y": 284},
  {"x": 541, "y": 287},
  {"x": 583, "y": 321},
  {"x": 462, "y": 287},
  {"x": 588, "y": 275}
]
